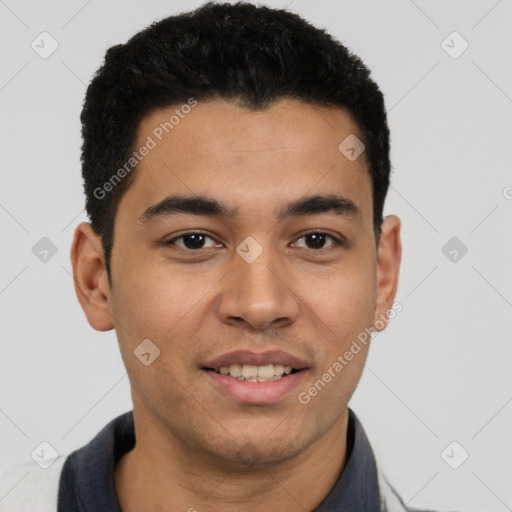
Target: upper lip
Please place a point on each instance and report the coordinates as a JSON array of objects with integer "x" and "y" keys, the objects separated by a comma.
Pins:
[{"x": 262, "y": 359}]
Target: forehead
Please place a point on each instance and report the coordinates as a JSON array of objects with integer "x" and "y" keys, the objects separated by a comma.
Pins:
[{"x": 247, "y": 157}]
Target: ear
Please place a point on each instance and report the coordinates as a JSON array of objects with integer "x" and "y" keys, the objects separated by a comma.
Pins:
[
  {"x": 388, "y": 268},
  {"x": 90, "y": 277}
]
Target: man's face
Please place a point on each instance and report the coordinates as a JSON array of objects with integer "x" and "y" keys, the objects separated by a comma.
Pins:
[{"x": 282, "y": 293}]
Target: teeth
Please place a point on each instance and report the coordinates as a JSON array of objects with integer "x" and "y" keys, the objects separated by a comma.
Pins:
[
  {"x": 235, "y": 370},
  {"x": 278, "y": 369},
  {"x": 265, "y": 371},
  {"x": 253, "y": 373},
  {"x": 249, "y": 371}
]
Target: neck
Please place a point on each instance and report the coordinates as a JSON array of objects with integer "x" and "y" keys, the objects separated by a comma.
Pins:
[{"x": 152, "y": 478}]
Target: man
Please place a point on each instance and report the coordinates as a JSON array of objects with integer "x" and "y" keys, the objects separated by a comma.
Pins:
[{"x": 235, "y": 164}]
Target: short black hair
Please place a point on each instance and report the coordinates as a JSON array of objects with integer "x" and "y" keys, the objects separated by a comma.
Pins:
[{"x": 252, "y": 55}]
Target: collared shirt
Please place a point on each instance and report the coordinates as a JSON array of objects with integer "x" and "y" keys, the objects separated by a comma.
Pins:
[{"x": 85, "y": 479}]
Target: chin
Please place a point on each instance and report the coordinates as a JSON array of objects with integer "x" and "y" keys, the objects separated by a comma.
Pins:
[
  {"x": 247, "y": 453},
  {"x": 250, "y": 457}
]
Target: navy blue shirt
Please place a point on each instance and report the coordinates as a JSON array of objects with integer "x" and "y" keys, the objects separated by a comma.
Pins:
[{"x": 87, "y": 477}]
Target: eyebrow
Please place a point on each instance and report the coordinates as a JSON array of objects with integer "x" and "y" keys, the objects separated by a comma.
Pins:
[{"x": 201, "y": 205}]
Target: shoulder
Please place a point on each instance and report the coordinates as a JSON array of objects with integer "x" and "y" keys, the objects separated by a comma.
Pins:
[
  {"x": 35, "y": 489},
  {"x": 70, "y": 477},
  {"x": 390, "y": 500}
]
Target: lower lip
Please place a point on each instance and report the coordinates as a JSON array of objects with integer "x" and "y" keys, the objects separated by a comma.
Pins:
[{"x": 256, "y": 393}]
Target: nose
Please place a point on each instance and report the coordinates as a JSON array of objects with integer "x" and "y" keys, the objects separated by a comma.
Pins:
[{"x": 258, "y": 295}]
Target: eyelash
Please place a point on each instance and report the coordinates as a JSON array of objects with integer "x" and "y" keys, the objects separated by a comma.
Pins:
[{"x": 336, "y": 241}]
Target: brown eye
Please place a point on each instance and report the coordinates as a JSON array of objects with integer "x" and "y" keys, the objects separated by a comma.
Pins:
[
  {"x": 317, "y": 239},
  {"x": 191, "y": 241}
]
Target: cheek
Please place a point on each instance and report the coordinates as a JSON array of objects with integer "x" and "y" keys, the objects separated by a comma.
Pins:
[
  {"x": 167, "y": 306},
  {"x": 149, "y": 299},
  {"x": 150, "y": 304},
  {"x": 342, "y": 301}
]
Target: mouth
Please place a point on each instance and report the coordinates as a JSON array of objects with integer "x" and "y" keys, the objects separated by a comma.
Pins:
[
  {"x": 253, "y": 373},
  {"x": 256, "y": 379}
]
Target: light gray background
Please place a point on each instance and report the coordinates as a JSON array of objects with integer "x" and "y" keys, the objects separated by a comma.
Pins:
[{"x": 441, "y": 371}]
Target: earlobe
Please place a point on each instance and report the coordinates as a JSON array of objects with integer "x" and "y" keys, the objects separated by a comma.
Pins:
[
  {"x": 90, "y": 277},
  {"x": 388, "y": 269}
]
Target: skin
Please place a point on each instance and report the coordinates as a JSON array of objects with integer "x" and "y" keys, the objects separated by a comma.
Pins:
[{"x": 197, "y": 448}]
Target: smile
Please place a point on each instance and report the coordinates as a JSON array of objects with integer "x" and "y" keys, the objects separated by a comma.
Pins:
[{"x": 252, "y": 373}]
